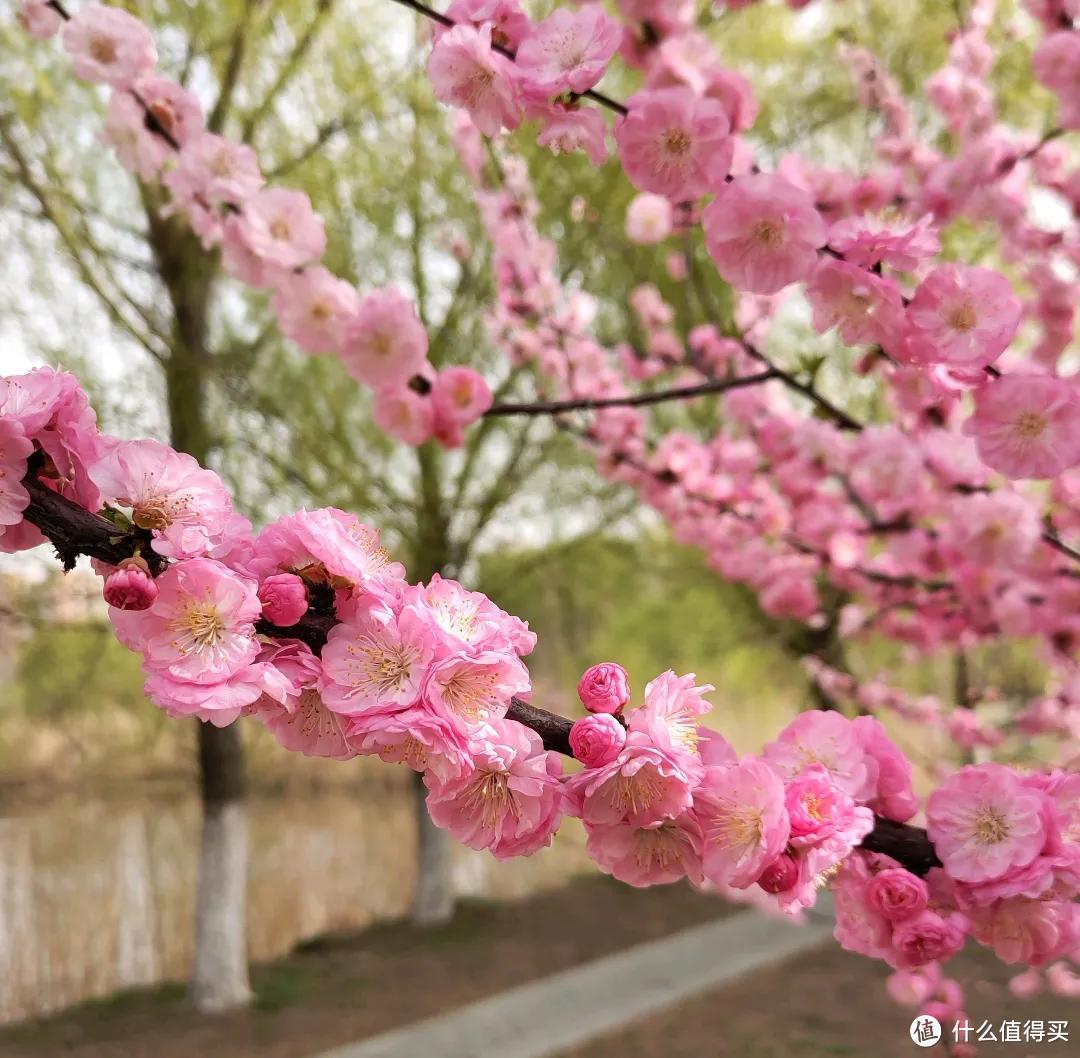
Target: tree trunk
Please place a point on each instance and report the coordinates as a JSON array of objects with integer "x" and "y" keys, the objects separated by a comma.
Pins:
[
  {"x": 435, "y": 892},
  {"x": 220, "y": 973}
]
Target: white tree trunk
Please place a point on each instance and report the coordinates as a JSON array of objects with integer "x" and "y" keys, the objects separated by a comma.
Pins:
[
  {"x": 220, "y": 977},
  {"x": 435, "y": 894}
]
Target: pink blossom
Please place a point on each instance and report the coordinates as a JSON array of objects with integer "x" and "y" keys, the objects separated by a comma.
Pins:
[
  {"x": 1000, "y": 528},
  {"x": 867, "y": 241},
  {"x": 130, "y": 587},
  {"x": 15, "y": 449},
  {"x": 284, "y": 599},
  {"x": 818, "y": 810},
  {"x": 642, "y": 856},
  {"x": 892, "y": 794},
  {"x": 863, "y": 307},
  {"x": 984, "y": 824},
  {"x": 404, "y": 414},
  {"x": 860, "y": 926},
  {"x": 1027, "y": 426},
  {"x": 744, "y": 821},
  {"x": 926, "y": 938},
  {"x": 315, "y": 308},
  {"x": 39, "y": 19},
  {"x": 825, "y": 738},
  {"x": 641, "y": 786},
  {"x": 962, "y": 316},
  {"x": 186, "y": 507},
  {"x": 386, "y": 343},
  {"x": 459, "y": 396},
  {"x": 280, "y": 231},
  {"x": 573, "y": 128},
  {"x": 568, "y": 51},
  {"x": 648, "y": 219},
  {"x": 509, "y": 24},
  {"x": 1056, "y": 64},
  {"x": 510, "y": 803},
  {"x": 674, "y": 143},
  {"x": 376, "y": 660},
  {"x": 1034, "y": 932},
  {"x": 897, "y": 894},
  {"x": 604, "y": 688},
  {"x": 108, "y": 46},
  {"x": 469, "y": 688},
  {"x": 465, "y": 72},
  {"x": 669, "y": 715},
  {"x": 597, "y": 739},
  {"x": 1062, "y": 980},
  {"x": 763, "y": 233},
  {"x": 415, "y": 737},
  {"x": 780, "y": 876},
  {"x": 912, "y": 988}
]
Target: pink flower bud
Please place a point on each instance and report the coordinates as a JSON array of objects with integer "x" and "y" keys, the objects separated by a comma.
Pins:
[
  {"x": 284, "y": 599},
  {"x": 130, "y": 587},
  {"x": 604, "y": 688},
  {"x": 597, "y": 740},
  {"x": 781, "y": 875}
]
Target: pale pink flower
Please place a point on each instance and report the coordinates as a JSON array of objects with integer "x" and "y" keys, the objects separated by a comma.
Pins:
[
  {"x": 825, "y": 738},
  {"x": 509, "y": 24},
  {"x": 415, "y": 737},
  {"x": 668, "y": 716},
  {"x": 1026, "y": 985},
  {"x": 1062, "y": 980},
  {"x": 642, "y": 856},
  {"x": 897, "y": 894},
  {"x": 386, "y": 343},
  {"x": 108, "y": 46},
  {"x": 459, "y": 395},
  {"x": 962, "y": 316},
  {"x": 867, "y": 241},
  {"x": 863, "y": 307},
  {"x": 326, "y": 548},
  {"x": 926, "y": 938},
  {"x": 763, "y": 233},
  {"x": 597, "y": 739},
  {"x": 641, "y": 786},
  {"x": 648, "y": 219},
  {"x": 1027, "y": 426},
  {"x": 284, "y": 599},
  {"x": 892, "y": 794},
  {"x": 465, "y": 72},
  {"x": 39, "y": 19},
  {"x": 315, "y": 309},
  {"x": 1034, "y": 932},
  {"x": 566, "y": 129},
  {"x": 860, "y": 926},
  {"x": 187, "y": 508},
  {"x": 404, "y": 414},
  {"x": 15, "y": 449},
  {"x": 568, "y": 51},
  {"x": 474, "y": 687},
  {"x": 376, "y": 660},
  {"x": 604, "y": 688},
  {"x": 674, "y": 143},
  {"x": 912, "y": 988},
  {"x": 130, "y": 588},
  {"x": 984, "y": 824},
  {"x": 1000, "y": 528},
  {"x": 743, "y": 819},
  {"x": 511, "y": 802},
  {"x": 1056, "y": 64},
  {"x": 278, "y": 227}
]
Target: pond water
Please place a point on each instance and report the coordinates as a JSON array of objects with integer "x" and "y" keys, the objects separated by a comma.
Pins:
[{"x": 99, "y": 896}]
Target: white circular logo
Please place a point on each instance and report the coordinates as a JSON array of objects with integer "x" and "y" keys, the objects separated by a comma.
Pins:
[{"x": 925, "y": 1031}]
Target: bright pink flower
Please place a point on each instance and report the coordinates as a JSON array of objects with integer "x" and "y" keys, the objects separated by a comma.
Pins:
[
  {"x": 465, "y": 72},
  {"x": 459, "y": 395},
  {"x": 597, "y": 739},
  {"x": 743, "y": 819},
  {"x": 326, "y": 548},
  {"x": 604, "y": 688},
  {"x": 39, "y": 19},
  {"x": 568, "y": 51},
  {"x": 284, "y": 599},
  {"x": 511, "y": 802},
  {"x": 641, "y": 856},
  {"x": 130, "y": 588},
  {"x": 863, "y": 307},
  {"x": 187, "y": 507},
  {"x": 648, "y": 219},
  {"x": 926, "y": 938},
  {"x": 509, "y": 24},
  {"x": 860, "y": 926},
  {"x": 404, "y": 414},
  {"x": 641, "y": 786},
  {"x": 962, "y": 316},
  {"x": 984, "y": 824},
  {"x": 1056, "y": 64},
  {"x": 866, "y": 241},
  {"x": 15, "y": 449},
  {"x": 315, "y": 309},
  {"x": 108, "y": 46},
  {"x": 386, "y": 343},
  {"x": 763, "y": 233},
  {"x": 892, "y": 794},
  {"x": 573, "y": 128},
  {"x": 825, "y": 738},
  {"x": 1027, "y": 426},
  {"x": 472, "y": 688},
  {"x": 415, "y": 737},
  {"x": 897, "y": 894},
  {"x": 669, "y": 715},
  {"x": 375, "y": 661},
  {"x": 818, "y": 809},
  {"x": 674, "y": 143},
  {"x": 280, "y": 231}
]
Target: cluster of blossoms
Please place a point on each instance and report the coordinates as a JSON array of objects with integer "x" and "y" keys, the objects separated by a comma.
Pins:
[{"x": 270, "y": 238}]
